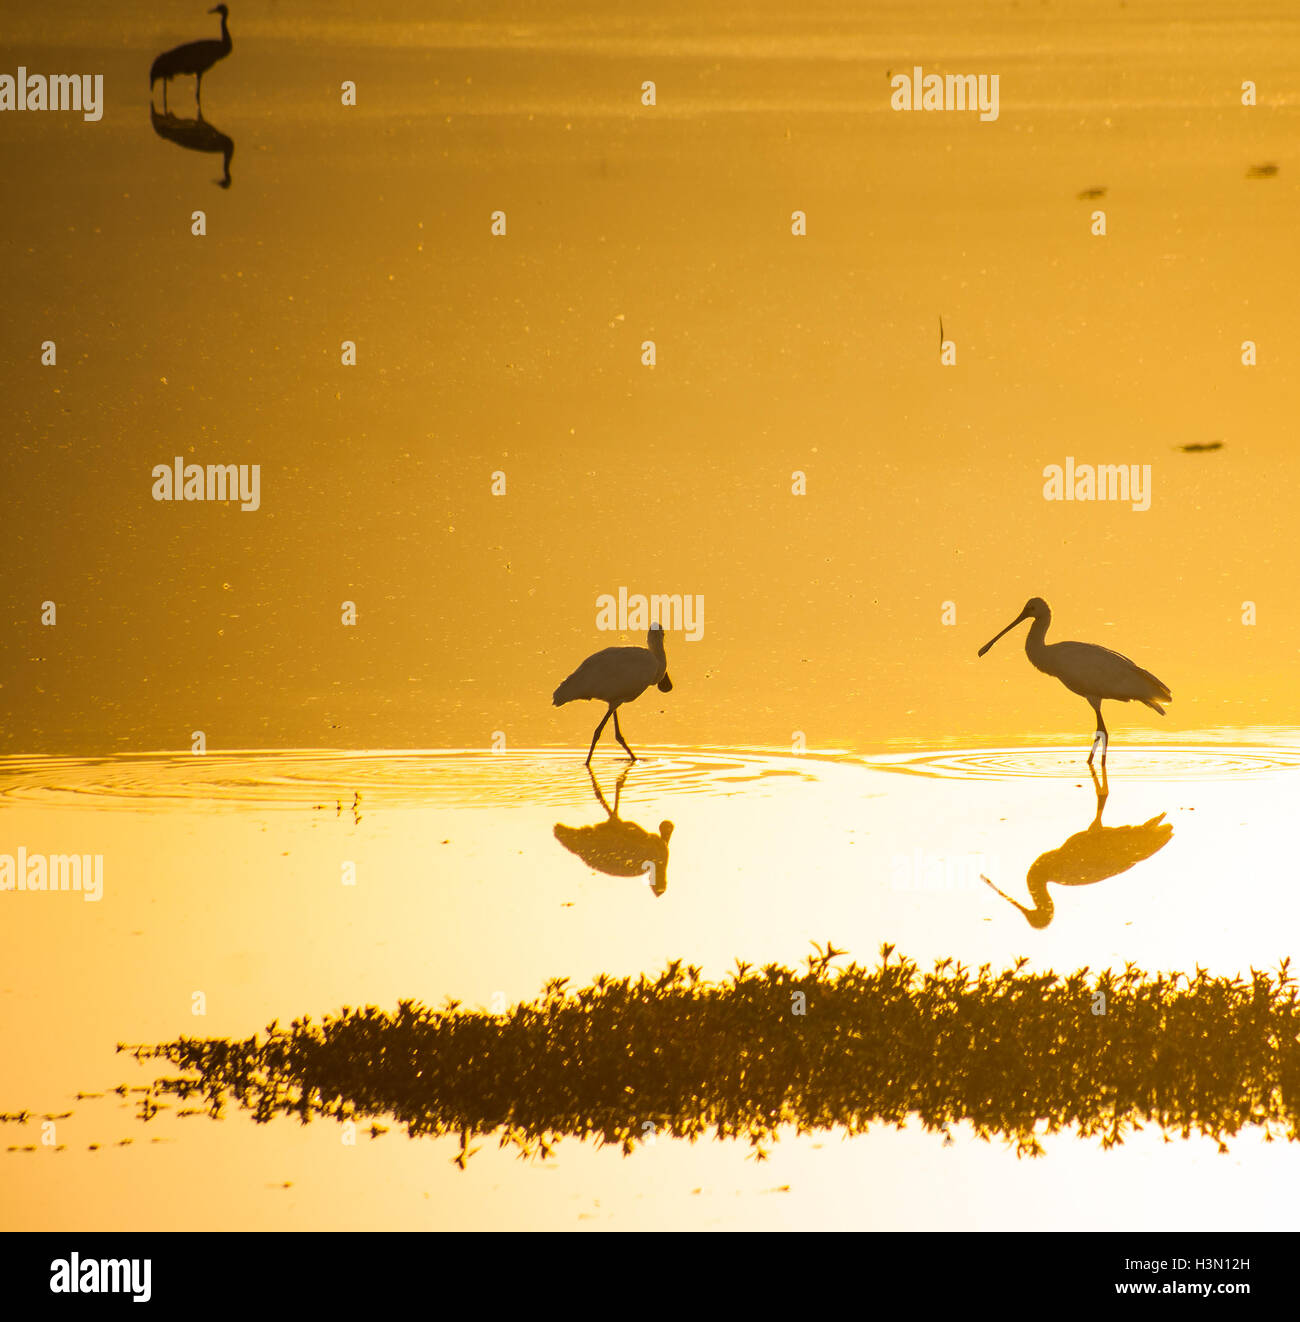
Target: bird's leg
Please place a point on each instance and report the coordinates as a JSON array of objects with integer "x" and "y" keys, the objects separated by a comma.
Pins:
[
  {"x": 1103, "y": 790},
  {"x": 599, "y": 795},
  {"x": 198, "y": 91},
  {"x": 1100, "y": 737},
  {"x": 618, "y": 734},
  {"x": 596, "y": 736}
]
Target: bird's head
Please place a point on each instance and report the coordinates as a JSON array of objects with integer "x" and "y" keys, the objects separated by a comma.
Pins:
[
  {"x": 220, "y": 9},
  {"x": 1035, "y": 609}
]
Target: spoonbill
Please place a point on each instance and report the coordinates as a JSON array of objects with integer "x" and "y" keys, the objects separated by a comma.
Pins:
[
  {"x": 617, "y": 675},
  {"x": 1091, "y": 671},
  {"x": 195, "y": 57}
]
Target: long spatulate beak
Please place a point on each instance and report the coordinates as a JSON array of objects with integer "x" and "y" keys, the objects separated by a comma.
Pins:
[{"x": 1022, "y": 616}]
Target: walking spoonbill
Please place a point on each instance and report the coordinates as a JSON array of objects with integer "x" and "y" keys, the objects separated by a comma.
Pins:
[
  {"x": 617, "y": 675},
  {"x": 1091, "y": 671}
]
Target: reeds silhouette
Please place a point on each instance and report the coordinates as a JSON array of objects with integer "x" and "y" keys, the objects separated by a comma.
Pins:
[{"x": 1015, "y": 1055}]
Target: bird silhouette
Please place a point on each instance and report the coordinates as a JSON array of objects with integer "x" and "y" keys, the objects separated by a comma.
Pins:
[
  {"x": 618, "y": 848},
  {"x": 1091, "y": 671},
  {"x": 196, "y": 135},
  {"x": 1088, "y": 856},
  {"x": 617, "y": 675},
  {"x": 195, "y": 57}
]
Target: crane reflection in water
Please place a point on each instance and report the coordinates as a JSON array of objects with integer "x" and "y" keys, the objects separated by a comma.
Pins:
[
  {"x": 1088, "y": 856},
  {"x": 195, "y": 135}
]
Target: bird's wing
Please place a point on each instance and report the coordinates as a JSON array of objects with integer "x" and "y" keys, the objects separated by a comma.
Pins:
[
  {"x": 616, "y": 674},
  {"x": 586, "y": 680},
  {"x": 1098, "y": 671}
]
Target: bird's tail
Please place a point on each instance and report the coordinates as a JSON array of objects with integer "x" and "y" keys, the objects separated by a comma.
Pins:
[
  {"x": 567, "y": 692},
  {"x": 1160, "y": 690}
]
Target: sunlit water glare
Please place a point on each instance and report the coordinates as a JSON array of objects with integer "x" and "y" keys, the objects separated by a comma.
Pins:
[{"x": 479, "y": 876}]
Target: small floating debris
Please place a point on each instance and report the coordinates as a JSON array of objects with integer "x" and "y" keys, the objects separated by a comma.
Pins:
[
  {"x": 1266, "y": 171},
  {"x": 1200, "y": 447}
]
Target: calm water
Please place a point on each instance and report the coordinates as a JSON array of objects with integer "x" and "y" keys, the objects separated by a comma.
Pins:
[
  {"x": 824, "y": 613},
  {"x": 499, "y": 457},
  {"x": 224, "y": 875}
]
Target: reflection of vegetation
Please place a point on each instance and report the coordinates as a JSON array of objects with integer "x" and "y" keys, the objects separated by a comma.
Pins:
[{"x": 1015, "y": 1054}]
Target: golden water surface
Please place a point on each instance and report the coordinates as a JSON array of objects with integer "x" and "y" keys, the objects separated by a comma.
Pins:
[{"x": 833, "y": 762}]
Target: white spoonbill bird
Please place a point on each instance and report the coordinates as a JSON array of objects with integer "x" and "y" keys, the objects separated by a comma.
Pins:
[
  {"x": 1091, "y": 671},
  {"x": 617, "y": 675}
]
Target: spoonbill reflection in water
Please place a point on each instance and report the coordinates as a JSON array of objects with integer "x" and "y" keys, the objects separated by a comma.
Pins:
[
  {"x": 1091, "y": 671},
  {"x": 617, "y": 675},
  {"x": 619, "y": 848},
  {"x": 1088, "y": 856}
]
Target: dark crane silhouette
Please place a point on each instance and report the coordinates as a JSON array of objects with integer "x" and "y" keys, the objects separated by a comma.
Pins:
[
  {"x": 195, "y": 135},
  {"x": 618, "y": 675},
  {"x": 195, "y": 57}
]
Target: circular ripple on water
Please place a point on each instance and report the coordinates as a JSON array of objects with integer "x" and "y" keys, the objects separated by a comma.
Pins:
[
  {"x": 344, "y": 783},
  {"x": 1135, "y": 762}
]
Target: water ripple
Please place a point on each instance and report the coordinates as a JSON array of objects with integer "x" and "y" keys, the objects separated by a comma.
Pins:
[
  {"x": 316, "y": 779},
  {"x": 1134, "y": 762}
]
